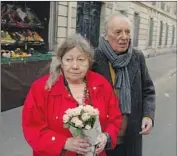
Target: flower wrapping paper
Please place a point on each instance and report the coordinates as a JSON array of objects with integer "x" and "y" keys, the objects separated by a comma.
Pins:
[{"x": 92, "y": 135}]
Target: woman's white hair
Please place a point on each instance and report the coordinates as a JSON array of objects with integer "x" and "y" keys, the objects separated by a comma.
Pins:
[{"x": 75, "y": 40}]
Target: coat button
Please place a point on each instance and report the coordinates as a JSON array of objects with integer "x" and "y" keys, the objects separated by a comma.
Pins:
[
  {"x": 94, "y": 88},
  {"x": 53, "y": 138},
  {"x": 56, "y": 117}
]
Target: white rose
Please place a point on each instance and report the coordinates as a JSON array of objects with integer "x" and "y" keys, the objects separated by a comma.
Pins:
[
  {"x": 85, "y": 116},
  {"x": 95, "y": 112},
  {"x": 76, "y": 111},
  {"x": 65, "y": 118},
  {"x": 69, "y": 112},
  {"x": 74, "y": 119},
  {"x": 87, "y": 108},
  {"x": 79, "y": 123},
  {"x": 81, "y": 107},
  {"x": 91, "y": 110},
  {"x": 88, "y": 127}
]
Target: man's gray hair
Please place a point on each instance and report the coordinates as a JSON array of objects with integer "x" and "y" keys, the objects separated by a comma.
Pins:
[
  {"x": 107, "y": 21},
  {"x": 71, "y": 42}
]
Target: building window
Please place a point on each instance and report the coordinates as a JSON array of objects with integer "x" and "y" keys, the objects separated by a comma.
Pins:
[
  {"x": 166, "y": 39},
  {"x": 173, "y": 35},
  {"x": 153, "y": 3},
  {"x": 168, "y": 9},
  {"x": 151, "y": 25},
  {"x": 136, "y": 29},
  {"x": 161, "y": 31},
  {"x": 163, "y": 5},
  {"x": 175, "y": 12}
]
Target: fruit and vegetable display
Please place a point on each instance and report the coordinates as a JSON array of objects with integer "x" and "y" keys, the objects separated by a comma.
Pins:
[
  {"x": 20, "y": 32},
  {"x": 20, "y": 37},
  {"x": 18, "y": 52},
  {"x": 18, "y": 16}
]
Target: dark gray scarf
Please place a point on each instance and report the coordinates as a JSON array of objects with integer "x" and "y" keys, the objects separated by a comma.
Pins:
[{"x": 122, "y": 83}]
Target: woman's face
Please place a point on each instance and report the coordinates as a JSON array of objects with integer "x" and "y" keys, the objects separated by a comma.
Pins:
[{"x": 75, "y": 65}]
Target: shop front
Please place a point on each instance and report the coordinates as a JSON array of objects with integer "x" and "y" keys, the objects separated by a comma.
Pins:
[{"x": 26, "y": 45}]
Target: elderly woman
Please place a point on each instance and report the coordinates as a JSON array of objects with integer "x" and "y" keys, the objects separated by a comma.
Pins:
[{"x": 69, "y": 84}]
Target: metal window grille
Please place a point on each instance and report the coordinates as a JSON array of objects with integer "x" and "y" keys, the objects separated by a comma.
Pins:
[{"x": 88, "y": 20}]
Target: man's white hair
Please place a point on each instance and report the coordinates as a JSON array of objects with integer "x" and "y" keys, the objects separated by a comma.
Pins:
[{"x": 108, "y": 20}]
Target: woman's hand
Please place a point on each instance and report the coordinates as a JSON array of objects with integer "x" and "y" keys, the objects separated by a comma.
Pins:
[
  {"x": 78, "y": 145},
  {"x": 102, "y": 143}
]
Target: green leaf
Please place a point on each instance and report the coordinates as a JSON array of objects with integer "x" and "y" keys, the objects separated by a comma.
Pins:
[
  {"x": 91, "y": 121},
  {"x": 71, "y": 124},
  {"x": 76, "y": 131},
  {"x": 66, "y": 125}
]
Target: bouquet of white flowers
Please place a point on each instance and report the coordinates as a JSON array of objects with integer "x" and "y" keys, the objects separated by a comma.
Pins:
[{"x": 83, "y": 121}]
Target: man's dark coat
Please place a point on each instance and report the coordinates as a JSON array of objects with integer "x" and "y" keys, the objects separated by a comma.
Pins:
[{"x": 142, "y": 96}]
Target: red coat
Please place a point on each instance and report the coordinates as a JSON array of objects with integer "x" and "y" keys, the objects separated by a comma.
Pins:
[{"x": 43, "y": 112}]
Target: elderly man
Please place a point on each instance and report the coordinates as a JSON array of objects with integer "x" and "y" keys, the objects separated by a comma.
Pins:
[{"x": 125, "y": 68}]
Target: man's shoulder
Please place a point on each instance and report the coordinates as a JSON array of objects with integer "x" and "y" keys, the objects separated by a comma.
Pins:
[
  {"x": 96, "y": 75},
  {"x": 137, "y": 52},
  {"x": 97, "y": 78},
  {"x": 97, "y": 51},
  {"x": 99, "y": 55}
]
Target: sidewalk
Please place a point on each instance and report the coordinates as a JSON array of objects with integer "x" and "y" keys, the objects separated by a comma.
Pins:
[
  {"x": 151, "y": 53},
  {"x": 12, "y": 141}
]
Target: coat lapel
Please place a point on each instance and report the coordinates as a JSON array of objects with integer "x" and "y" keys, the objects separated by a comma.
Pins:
[{"x": 133, "y": 68}]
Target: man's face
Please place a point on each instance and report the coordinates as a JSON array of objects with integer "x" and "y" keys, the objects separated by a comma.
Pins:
[{"x": 118, "y": 34}]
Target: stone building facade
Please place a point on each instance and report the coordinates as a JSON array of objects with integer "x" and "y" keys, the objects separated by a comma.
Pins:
[{"x": 154, "y": 23}]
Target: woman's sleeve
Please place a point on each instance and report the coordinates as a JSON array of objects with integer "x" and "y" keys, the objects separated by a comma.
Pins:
[
  {"x": 114, "y": 116},
  {"x": 42, "y": 140}
]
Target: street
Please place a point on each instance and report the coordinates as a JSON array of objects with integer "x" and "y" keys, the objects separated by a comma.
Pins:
[{"x": 162, "y": 140}]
